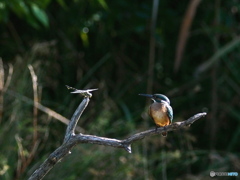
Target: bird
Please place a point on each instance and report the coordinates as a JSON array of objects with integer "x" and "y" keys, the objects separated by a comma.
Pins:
[
  {"x": 85, "y": 93},
  {"x": 160, "y": 110}
]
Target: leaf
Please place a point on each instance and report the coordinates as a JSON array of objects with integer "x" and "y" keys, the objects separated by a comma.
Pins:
[
  {"x": 3, "y": 12},
  {"x": 84, "y": 37},
  {"x": 44, "y": 3},
  {"x": 40, "y": 15},
  {"x": 62, "y": 3},
  {"x": 103, "y": 4},
  {"x": 216, "y": 57},
  {"x": 20, "y": 8}
]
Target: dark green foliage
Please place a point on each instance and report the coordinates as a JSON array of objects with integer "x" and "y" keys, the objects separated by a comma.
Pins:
[{"x": 105, "y": 44}]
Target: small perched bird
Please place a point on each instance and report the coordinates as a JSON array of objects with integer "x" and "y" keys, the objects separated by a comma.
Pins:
[
  {"x": 160, "y": 110},
  {"x": 85, "y": 93}
]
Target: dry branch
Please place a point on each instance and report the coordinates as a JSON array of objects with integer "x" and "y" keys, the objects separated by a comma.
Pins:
[
  {"x": 184, "y": 32},
  {"x": 24, "y": 160},
  {"x": 4, "y": 85},
  {"x": 1, "y": 88},
  {"x": 36, "y": 100},
  {"x": 71, "y": 139}
]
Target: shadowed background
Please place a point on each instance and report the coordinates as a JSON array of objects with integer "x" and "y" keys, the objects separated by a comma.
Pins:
[{"x": 187, "y": 50}]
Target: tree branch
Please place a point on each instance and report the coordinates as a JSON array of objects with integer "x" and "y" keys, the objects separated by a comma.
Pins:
[
  {"x": 74, "y": 120},
  {"x": 71, "y": 139}
]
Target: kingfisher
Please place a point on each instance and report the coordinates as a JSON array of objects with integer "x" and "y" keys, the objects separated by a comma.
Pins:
[{"x": 160, "y": 110}]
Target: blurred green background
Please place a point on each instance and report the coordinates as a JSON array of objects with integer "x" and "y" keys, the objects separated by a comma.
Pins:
[{"x": 188, "y": 50}]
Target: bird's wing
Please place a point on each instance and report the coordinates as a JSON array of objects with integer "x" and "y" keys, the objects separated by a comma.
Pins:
[
  {"x": 80, "y": 91},
  {"x": 170, "y": 112},
  {"x": 83, "y": 91}
]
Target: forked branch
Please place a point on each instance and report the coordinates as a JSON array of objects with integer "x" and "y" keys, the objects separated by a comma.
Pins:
[{"x": 71, "y": 139}]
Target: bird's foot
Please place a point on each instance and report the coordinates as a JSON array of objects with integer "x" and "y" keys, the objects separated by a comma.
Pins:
[{"x": 164, "y": 134}]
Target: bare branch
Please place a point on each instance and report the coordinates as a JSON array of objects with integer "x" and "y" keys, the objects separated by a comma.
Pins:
[
  {"x": 71, "y": 139},
  {"x": 171, "y": 127},
  {"x": 1, "y": 88},
  {"x": 4, "y": 86},
  {"x": 35, "y": 99},
  {"x": 152, "y": 46},
  {"x": 74, "y": 120},
  {"x": 64, "y": 149},
  {"x": 126, "y": 143},
  {"x": 1, "y": 74},
  {"x": 24, "y": 160},
  {"x": 9, "y": 77}
]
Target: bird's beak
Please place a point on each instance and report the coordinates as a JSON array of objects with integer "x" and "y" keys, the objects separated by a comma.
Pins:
[{"x": 147, "y": 95}]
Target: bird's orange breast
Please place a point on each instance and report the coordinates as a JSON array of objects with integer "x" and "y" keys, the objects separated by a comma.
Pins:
[{"x": 158, "y": 111}]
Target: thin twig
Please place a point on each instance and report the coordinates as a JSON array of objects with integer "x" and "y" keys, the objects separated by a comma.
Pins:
[
  {"x": 72, "y": 140},
  {"x": 1, "y": 75},
  {"x": 217, "y": 55},
  {"x": 25, "y": 161},
  {"x": 35, "y": 141},
  {"x": 184, "y": 32},
  {"x": 35, "y": 99},
  {"x": 151, "y": 62},
  {"x": 9, "y": 77},
  {"x": 21, "y": 156},
  {"x": 4, "y": 86},
  {"x": 43, "y": 108},
  {"x": 152, "y": 46},
  {"x": 1, "y": 88},
  {"x": 213, "y": 125}
]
